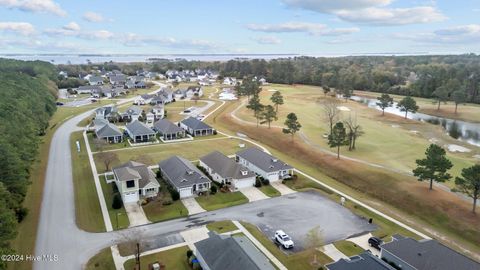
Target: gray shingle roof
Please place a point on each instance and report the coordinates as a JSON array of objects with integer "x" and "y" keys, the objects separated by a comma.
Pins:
[
  {"x": 232, "y": 253},
  {"x": 429, "y": 255},
  {"x": 135, "y": 170},
  {"x": 108, "y": 130},
  {"x": 133, "y": 110},
  {"x": 226, "y": 167},
  {"x": 263, "y": 160},
  {"x": 95, "y": 79},
  {"x": 99, "y": 123},
  {"x": 181, "y": 172},
  {"x": 164, "y": 126},
  {"x": 364, "y": 261},
  {"x": 195, "y": 124},
  {"x": 138, "y": 128},
  {"x": 90, "y": 87}
]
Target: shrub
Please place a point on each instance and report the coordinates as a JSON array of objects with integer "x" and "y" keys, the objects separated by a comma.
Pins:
[
  {"x": 189, "y": 254},
  {"x": 213, "y": 189},
  {"x": 117, "y": 201},
  {"x": 21, "y": 213},
  {"x": 265, "y": 182},
  {"x": 258, "y": 183},
  {"x": 175, "y": 195},
  {"x": 214, "y": 132},
  {"x": 114, "y": 188},
  {"x": 167, "y": 202}
]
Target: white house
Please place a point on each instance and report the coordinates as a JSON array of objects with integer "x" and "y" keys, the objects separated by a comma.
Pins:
[
  {"x": 225, "y": 170},
  {"x": 135, "y": 181},
  {"x": 263, "y": 164},
  {"x": 229, "y": 81}
]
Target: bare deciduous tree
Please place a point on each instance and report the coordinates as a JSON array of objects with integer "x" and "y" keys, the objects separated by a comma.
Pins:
[
  {"x": 99, "y": 144},
  {"x": 354, "y": 131},
  {"x": 108, "y": 158},
  {"x": 331, "y": 111}
]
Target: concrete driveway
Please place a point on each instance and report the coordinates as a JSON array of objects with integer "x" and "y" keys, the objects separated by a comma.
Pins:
[
  {"x": 283, "y": 189},
  {"x": 253, "y": 194},
  {"x": 135, "y": 213},
  {"x": 362, "y": 241},
  {"x": 192, "y": 206}
]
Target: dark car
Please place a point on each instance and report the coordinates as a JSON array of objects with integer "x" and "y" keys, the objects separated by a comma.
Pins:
[
  {"x": 375, "y": 242},
  {"x": 59, "y": 104}
]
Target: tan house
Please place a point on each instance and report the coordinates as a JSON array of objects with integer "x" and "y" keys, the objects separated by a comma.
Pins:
[{"x": 135, "y": 181}]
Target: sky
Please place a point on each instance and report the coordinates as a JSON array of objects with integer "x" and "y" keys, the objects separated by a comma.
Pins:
[{"x": 307, "y": 27}]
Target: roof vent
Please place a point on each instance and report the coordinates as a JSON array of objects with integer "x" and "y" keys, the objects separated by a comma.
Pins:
[
  {"x": 189, "y": 172},
  {"x": 274, "y": 159}
]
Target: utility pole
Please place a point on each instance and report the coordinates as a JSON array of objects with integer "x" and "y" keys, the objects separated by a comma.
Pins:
[{"x": 137, "y": 257}]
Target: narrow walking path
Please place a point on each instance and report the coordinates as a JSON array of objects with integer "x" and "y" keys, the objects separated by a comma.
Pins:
[
  {"x": 253, "y": 194},
  {"x": 192, "y": 206}
]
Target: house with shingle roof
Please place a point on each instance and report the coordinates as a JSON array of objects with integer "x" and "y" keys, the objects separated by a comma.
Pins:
[
  {"x": 183, "y": 176},
  {"x": 225, "y": 170},
  {"x": 95, "y": 80},
  {"x": 132, "y": 113},
  {"x": 195, "y": 127},
  {"x": 134, "y": 181},
  {"x": 88, "y": 89},
  {"x": 264, "y": 164},
  {"x": 110, "y": 133},
  {"x": 105, "y": 112},
  {"x": 168, "y": 130},
  {"x": 139, "y": 132},
  {"x": 219, "y": 252}
]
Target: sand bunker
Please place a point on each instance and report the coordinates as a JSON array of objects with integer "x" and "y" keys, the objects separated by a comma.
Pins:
[
  {"x": 343, "y": 108},
  {"x": 272, "y": 90},
  {"x": 457, "y": 148},
  {"x": 395, "y": 126}
]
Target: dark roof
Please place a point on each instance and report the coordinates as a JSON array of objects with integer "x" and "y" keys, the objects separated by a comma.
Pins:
[
  {"x": 364, "y": 261},
  {"x": 95, "y": 79},
  {"x": 89, "y": 87},
  {"x": 226, "y": 167},
  {"x": 263, "y": 160},
  {"x": 108, "y": 130},
  {"x": 138, "y": 128},
  {"x": 428, "y": 255},
  {"x": 164, "y": 126},
  {"x": 195, "y": 124},
  {"x": 181, "y": 172},
  {"x": 231, "y": 252},
  {"x": 133, "y": 110},
  {"x": 135, "y": 170}
]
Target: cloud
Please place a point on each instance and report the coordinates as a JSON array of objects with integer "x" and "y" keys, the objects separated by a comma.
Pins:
[
  {"x": 268, "y": 40},
  {"x": 302, "y": 27},
  {"x": 73, "y": 26},
  {"x": 373, "y": 12},
  {"x": 41, "y": 6},
  {"x": 461, "y": 34},
  {"x": 132, "y": 39},
  {"x": 93, "y": 17},
  {"x": 22, "y": 28}
]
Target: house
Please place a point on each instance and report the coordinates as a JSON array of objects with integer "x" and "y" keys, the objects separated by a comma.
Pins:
[
  {"x": 204, "y": 82},
  {"x": 168, "y": 130},
  {"x": 225, "y": 170},
  {"x": 133, "y": 113},
  {"x": 109, "y": 132},
  {"x": 364, "y": 261},
  {"x": 139, "y": 132},
  {"x": 143, "y": 99},
  {"x": 194, "y": 91},
  {"x": 427, "y": 254},
  {"x": 180, "y": 94},
  {"x": 130, "y": 85},
  {"x": 263, "y": 164},
  {"x": 88, "y": 89},
  {"x": 95, "y": 80},
  {"x": 227, "y": 94},
  {"x": 184, "y": 177},
  {"x": 219, "y": 252},
  {"x": 196, "y": 127},
  {"x": 229, "y": 81},
  {"x": 98, "y": 123},
  {"x": 157, "y": 100},
  {"x": 263, "y": 81},
  {"x": 158, "y": 111},
  {"x": 118, "y": 79},
  {"x": 151, "y": 75},
  {"x": 149, "y": 118},
  {"x": 105, "y": 112},
  {"x": 134, "y": 181},
  {"x": 109, "y": 92},
  {"x": 63, "y": 74}
]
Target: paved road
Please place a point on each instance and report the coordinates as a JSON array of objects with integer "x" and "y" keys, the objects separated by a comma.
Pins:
[{"x": 59, "y": 235}]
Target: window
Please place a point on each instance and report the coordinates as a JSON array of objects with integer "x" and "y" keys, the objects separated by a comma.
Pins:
[{"x": 130, "y": 183}]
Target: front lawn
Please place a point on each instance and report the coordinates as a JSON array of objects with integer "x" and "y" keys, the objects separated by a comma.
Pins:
[
  {"x": 173, "y": 259},
  {"x": 221, "y": 200},
  {"x": 269, "y": 191},
  {"x": 114, "y": 214},
  {"x": 299, "y": 260},
  {"x": 103, "y": 260},
  {"x": 222, "y": 226},
  {"x": 163, "y": 207},
  {"x": 348, "y": 248},
  {"x": 104, "y": 146}
]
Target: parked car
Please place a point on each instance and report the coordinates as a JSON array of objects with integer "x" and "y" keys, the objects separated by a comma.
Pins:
[
  {"x": 283, "y": 239},
  {"x": 59, "y": 104},
  {"x": 93, "y": 100},
  {"x": 375, "y": 242}
]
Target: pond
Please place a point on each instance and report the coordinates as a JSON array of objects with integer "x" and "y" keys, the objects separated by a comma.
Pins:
[{"x": 461, "y": 130}]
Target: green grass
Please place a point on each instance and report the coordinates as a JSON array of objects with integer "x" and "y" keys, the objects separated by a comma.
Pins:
[
  {"x": 191, "y": 150},
  {"x": 88, "y": 213},
  {"x": 221, "y": 200},
  {"x": 106, "y": 146},
  {"x": 348, "y": 248},
  {"x": 103, "y": 260},
  {"x": 269, "y": 191},
  {"x": 173, "y": 259},
  {"x": 222, "y": 226},
  {"x": 299, "y": 260},
  {"x": 114, "y": 214},
  {"x": 157, "y": 212}
]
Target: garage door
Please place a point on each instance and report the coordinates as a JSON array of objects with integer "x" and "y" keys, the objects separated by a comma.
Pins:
[
  {"x": 130, "y": 197},
  {"x": 185, "y": 192},
  {"x": 248, "y": 182},
  {"x": 273, "y": 177}
]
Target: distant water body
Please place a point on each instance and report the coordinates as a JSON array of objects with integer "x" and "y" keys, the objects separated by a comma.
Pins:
[{"x": 126, "y": 58}]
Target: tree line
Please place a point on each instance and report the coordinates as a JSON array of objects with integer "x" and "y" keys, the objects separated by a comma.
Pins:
[{"x": 28, "y": 101}]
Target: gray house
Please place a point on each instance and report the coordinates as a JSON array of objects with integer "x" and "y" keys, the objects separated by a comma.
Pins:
[
  {"x": 139, "y": 132},
  {"x": 427, "y": 254},
  {"x": 110, "y": 133},
  {"x": 187, "y": 179},
  {"x": 134, "y": 181},
  {"x": 225, "y": 170},
  {"x": 105, "y": 112},
  {"x": 364, "y": 261},
  {"x": 196, "y": 127},
  {"x": 132, "y": 113},
  {"x": 88, "y": 89},
  {"x": 263, "y": 164},
  {"x": 168, "y": 130},
  {"x": 219, "y": 252}
]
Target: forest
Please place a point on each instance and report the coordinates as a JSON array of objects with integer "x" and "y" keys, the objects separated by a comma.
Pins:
[
  {"x": 420, "y": 76},
  {"x": 27, "y": 102}
]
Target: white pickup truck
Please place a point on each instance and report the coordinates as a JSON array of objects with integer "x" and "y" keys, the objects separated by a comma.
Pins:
[{"x": 283, "y": 239}]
